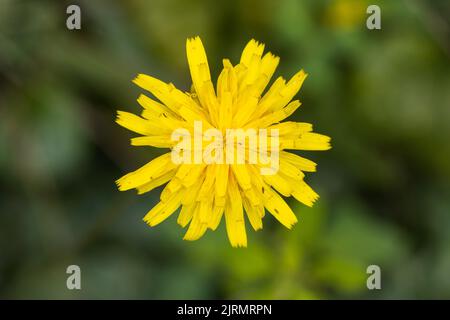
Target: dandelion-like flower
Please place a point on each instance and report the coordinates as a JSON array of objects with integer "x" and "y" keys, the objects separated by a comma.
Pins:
[{"x": 233, "y": 184}]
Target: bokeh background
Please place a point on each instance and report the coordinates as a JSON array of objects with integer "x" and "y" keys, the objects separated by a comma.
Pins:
[{"x": 383, "y": 96}]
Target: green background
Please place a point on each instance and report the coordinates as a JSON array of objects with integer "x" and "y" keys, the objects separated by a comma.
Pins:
[{"x": 382, "y": 95}]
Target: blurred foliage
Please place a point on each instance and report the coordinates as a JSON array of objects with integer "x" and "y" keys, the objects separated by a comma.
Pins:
[{"x": 383, "y": 96}]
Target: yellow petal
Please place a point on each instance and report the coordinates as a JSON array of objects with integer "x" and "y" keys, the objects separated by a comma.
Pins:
[
  {"x": 137, "y": 124},
  {"x": 300, "y": 162},
  {"x": 275, "y": 116},
  {"x": 232, "y": 79},
  {"x": 153, "y": 107},
  {"x": 289, "y": 91},
  {"x": 307, "y": 141},
  {"x": 304, "y": 193},
  {"x": 158, "y": 88},
  {"x": 205, "y": 211},
  {"x": 186, "y": 213},
  {"x": 217, "y": 213},
  {"x": 252, "y": 49},
  {"x": 279, "y": 208},
  {"x": 154, "y": 141},
  {"x": 147, "y": 173},
  {"x": 279, "y": 184},
  {"x": 253, "y": 215},
  {"x": 268, "y": 99},
  {"x": 196, "y": 228},
  {"x": 206, "y": 190},
  {"x": 290, "y": 170},
  {"x": 269, "y": 64},
  {"x": 198, "y": 65},
  {"x": 226, "y": 110},
  {"x": 156, "y": 182},
  {"x": 242, "y": 176},
  {"x": 290, "y": 128},
  {"x": 234, "y": 216},
  {"x": 252, "y": 196},
  {"x": 221, "y": 179},
  {"x": 163, "y": 210},
  {"x": 192, "y": 192},
  {"x": 193, "y": 175}
]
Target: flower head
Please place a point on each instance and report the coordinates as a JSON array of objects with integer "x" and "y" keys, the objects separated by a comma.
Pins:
[{"x": 239, "y": 165}]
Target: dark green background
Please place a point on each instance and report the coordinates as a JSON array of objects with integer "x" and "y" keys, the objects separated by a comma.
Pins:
[{"x": 383, "y": 96}]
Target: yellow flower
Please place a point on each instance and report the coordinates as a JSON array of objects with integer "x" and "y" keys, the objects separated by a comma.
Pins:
[{"x": 206, "y": 191}]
